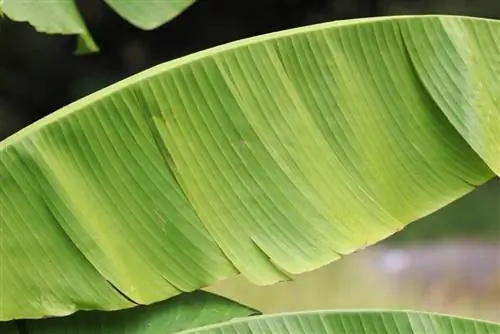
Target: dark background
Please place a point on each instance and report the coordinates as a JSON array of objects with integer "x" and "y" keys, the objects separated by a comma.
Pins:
[{"x": 39, "y": 74}]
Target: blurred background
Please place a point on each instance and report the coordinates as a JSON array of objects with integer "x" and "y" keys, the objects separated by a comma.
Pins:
[{"x": 448, "y": 262}]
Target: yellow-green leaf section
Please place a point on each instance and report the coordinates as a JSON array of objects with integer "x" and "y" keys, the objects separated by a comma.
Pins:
[
  {"x": 464, "y": 81},
  {"x": 265, "y": 157}
]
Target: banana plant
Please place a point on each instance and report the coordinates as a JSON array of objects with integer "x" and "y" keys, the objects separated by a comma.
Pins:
[
  {"x": 265, "y": 157},
  {"x": 63, "y": 16}
]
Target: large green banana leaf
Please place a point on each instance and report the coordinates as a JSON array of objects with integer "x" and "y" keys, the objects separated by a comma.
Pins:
[
  {"x": 352, "y": 322},
  {"x": 267, "y": 157},
  {"x": 186, "y": 311},
  {"x": 63, "y": 17}
]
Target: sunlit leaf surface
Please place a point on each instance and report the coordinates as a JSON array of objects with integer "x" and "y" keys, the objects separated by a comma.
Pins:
[{"x": 267, "y": 157}]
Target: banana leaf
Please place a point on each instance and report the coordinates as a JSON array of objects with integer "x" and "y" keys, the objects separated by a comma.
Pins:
[
  {"x": 352, "y": 322},
  {"x": 183, "y": 312},
  {"x": 265, "y": 157}
]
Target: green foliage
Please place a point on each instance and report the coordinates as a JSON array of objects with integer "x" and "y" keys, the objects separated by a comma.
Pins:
[
  {"x": 63, "y": 17},
  {"x": 177, "y": 314},
  {"x": 462, "y": 79},
  {"x": 352, "y": 322},
  {"x": 149, "y": 15},
  {"x": 267, "y": 157},
  {"x": 52, "y": 17}
]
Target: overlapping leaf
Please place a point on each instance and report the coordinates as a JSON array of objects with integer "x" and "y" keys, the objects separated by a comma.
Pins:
[
  {"x": 149, "y": 14},
  {"x": 51, "y": 17},
  {"x": 183, "y": 312},
  {"x": 63, "y": 17},
  {"x": 268, "y": 156},
  {"x": 349, "y": 322}
]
